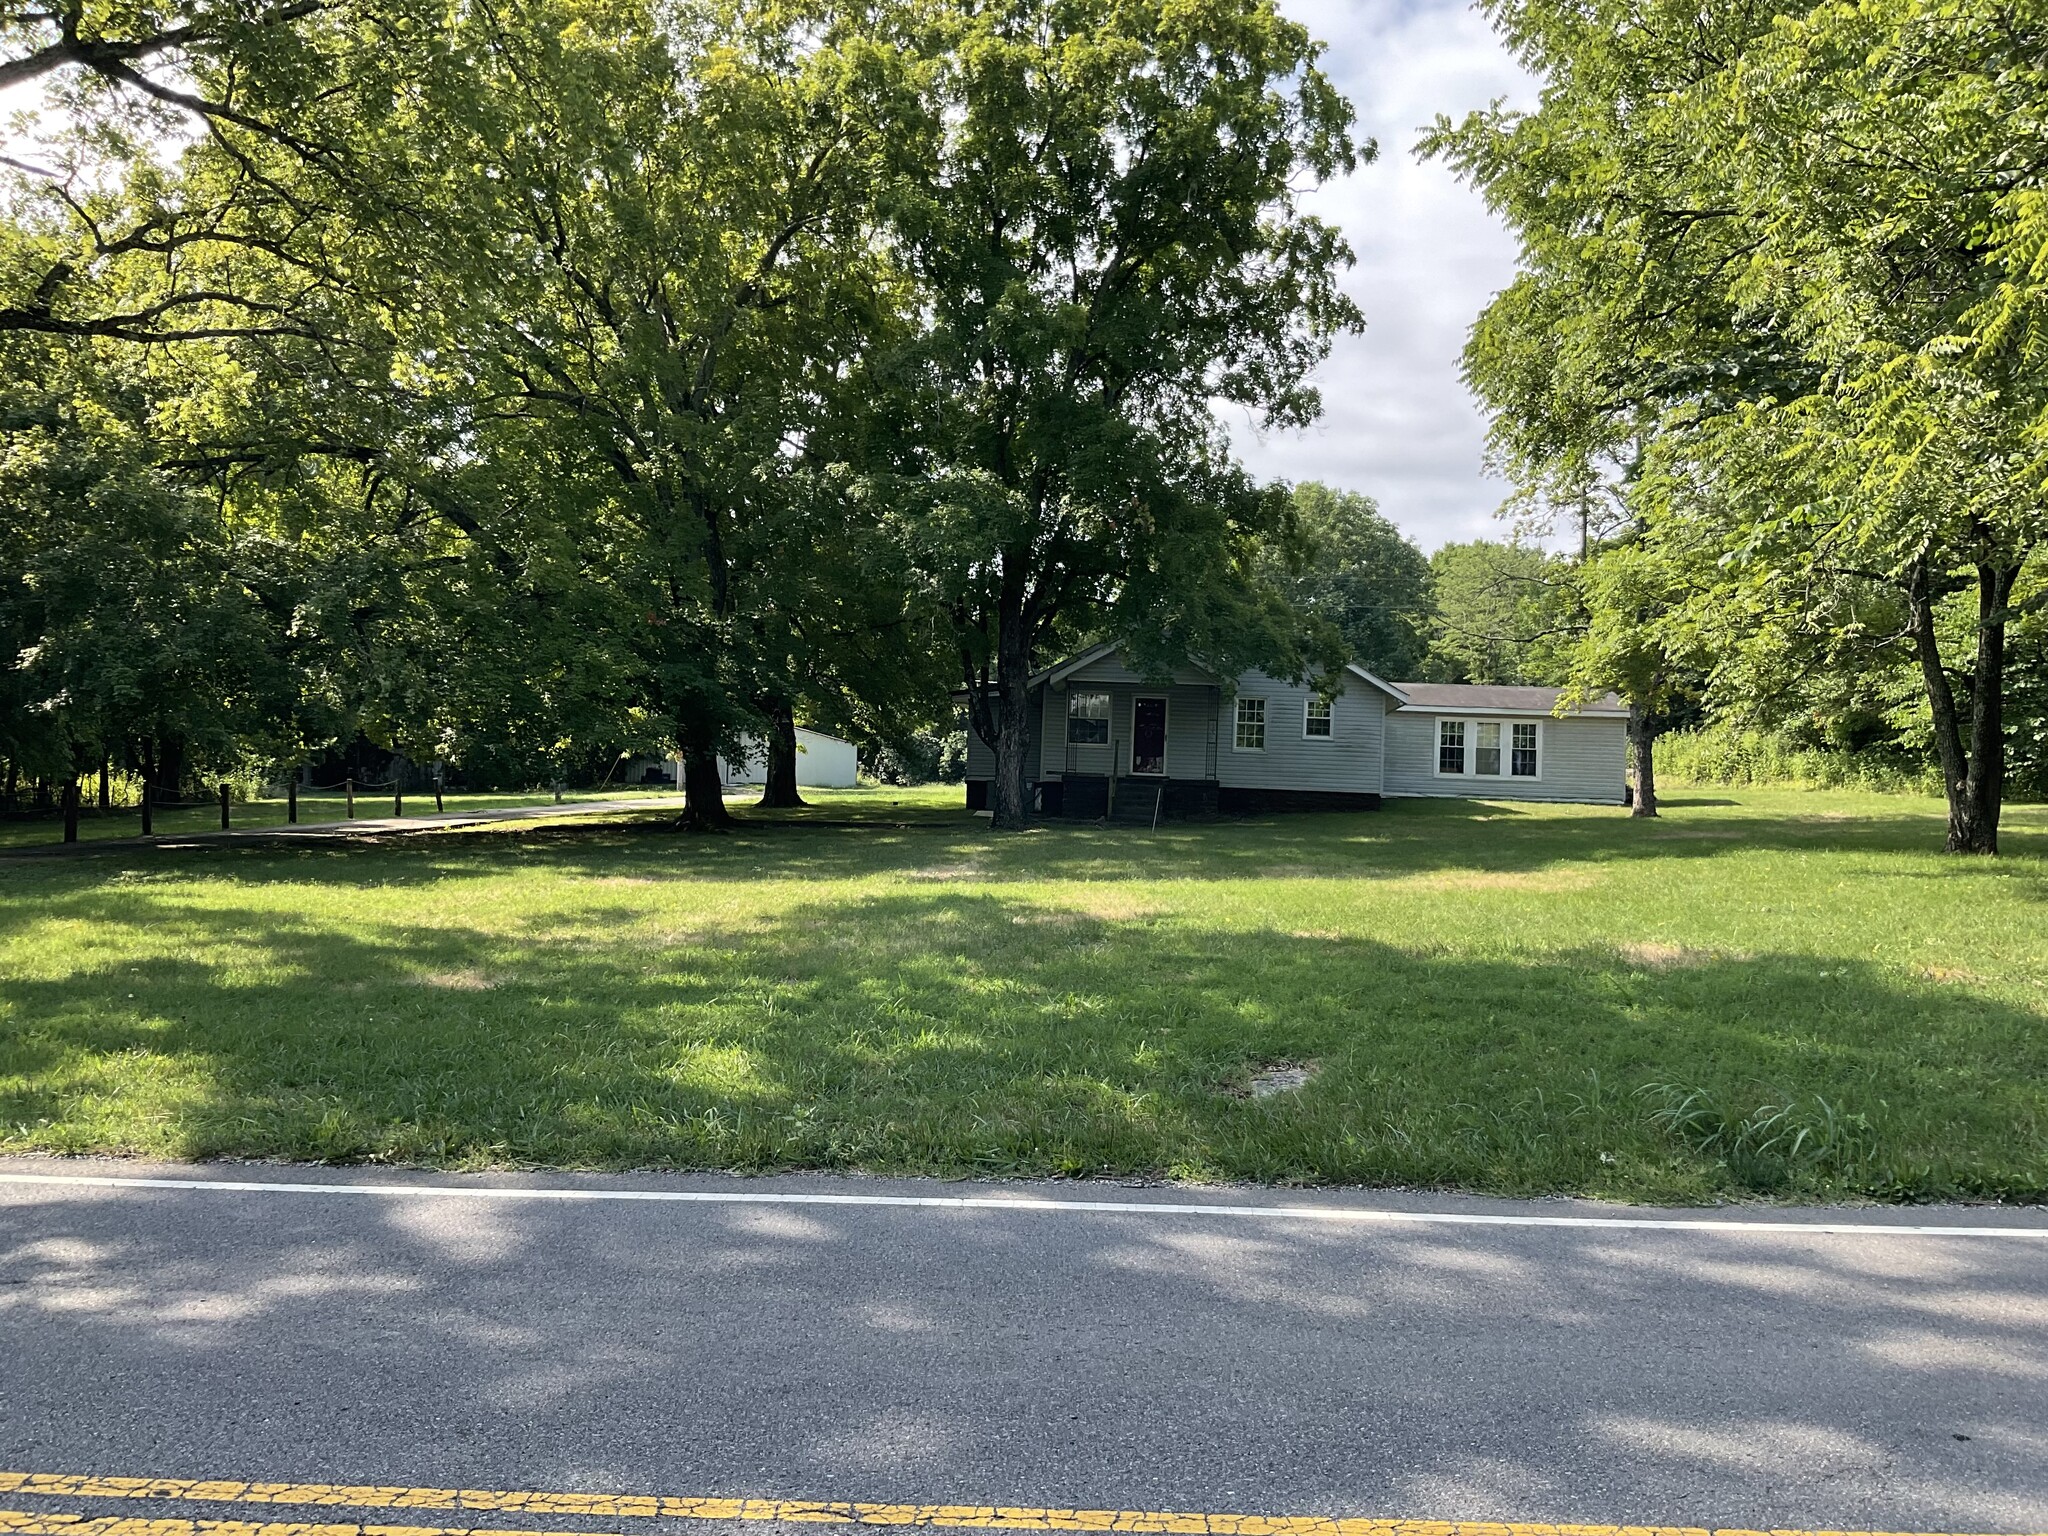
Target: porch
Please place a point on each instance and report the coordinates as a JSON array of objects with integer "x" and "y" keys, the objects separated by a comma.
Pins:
[
  {"x": 1120, "y": 748},
  {"x": 1127, "y": 799}
]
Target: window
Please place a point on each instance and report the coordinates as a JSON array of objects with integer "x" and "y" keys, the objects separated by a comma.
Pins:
[
  {"x": 1316, "y": 719},
  {"x": 1251, "y": 725},
  {"x": 1088, "y": 719},
  {"x": 1490, "y": 749},
  {"x": 1450, "y": 746},
  {"x": 1486, "y": 747},
  {"x": 1524, "y": 763}
]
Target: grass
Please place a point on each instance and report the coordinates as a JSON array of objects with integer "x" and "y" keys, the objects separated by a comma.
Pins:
[
  {"x": 47, "y": 829},
  {"x": 1764, "y": 993}
]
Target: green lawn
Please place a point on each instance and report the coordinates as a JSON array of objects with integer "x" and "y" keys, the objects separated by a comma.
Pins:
[
  {"x": 48, "y": 830},
  {"x": 1786, "y": 993}
]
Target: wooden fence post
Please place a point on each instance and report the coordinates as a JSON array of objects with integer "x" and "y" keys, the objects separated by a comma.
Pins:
[
  {"x": 291, "y": 801},
  {"x": 223, "y": 807},
  {"x": 71, "y": 812},
  {"x": 397, "y": 801},
  {"x": 351, "y": 799},
  {"x": 148, "y": 817}
]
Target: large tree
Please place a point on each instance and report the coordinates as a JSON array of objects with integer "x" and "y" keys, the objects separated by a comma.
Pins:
[
  {"x": 1362, "y": 575},
  {"x": 1501, "y": 613},
  {"x": 1791, "y": 262},
  {"x": 1109, "y": 240}
]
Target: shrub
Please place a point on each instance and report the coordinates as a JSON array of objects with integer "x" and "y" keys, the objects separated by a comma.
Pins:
[
  {"x": 920, "y": 758},
  {"x": 1724, "y": 755}
]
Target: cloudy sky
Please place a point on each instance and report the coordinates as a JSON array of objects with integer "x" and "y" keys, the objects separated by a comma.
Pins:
[{"x": 1397, "y": 423}]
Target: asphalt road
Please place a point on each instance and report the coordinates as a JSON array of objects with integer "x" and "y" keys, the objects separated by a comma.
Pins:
[{"x": 1757, "y": 1377}]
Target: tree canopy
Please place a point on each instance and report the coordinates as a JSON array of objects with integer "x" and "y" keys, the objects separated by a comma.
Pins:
[
  {"x": 1361, "y": 575},
  {"x": 1779, "y": 305},
  {"x": 509, "y": 384}
]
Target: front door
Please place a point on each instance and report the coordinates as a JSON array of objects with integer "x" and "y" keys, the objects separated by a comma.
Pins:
[{"x": 1148, "y": 736}]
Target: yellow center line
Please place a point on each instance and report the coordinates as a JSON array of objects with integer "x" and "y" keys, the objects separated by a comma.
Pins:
[{"x": 946, "y": 1516}]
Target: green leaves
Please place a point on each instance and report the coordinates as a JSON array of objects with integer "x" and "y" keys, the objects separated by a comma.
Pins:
[{"x": 1781, "y": 303}]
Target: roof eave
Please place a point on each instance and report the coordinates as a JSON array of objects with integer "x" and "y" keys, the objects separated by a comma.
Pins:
[{"x": 1378, "y": 682}]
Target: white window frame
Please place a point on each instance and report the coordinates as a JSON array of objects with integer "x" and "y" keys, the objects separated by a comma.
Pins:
[
  {"x": 1470, "y": 773},
  {"x": 1508, "y": 746},
  {"x": 1237, "y": 723},
  {"x": 1436, "y": 746},
  {"x": 1329, "y": 704},
  {"x": 1108, "y": 717},
  {"x": 1501, "y": 733}
]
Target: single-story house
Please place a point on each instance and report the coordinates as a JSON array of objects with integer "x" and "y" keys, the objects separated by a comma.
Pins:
[{"x": 1108, "y": 740}]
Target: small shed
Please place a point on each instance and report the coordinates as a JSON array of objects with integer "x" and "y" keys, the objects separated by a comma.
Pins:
[{"x": 822, "y": 762}]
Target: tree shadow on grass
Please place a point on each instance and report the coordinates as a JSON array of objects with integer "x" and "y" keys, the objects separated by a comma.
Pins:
[
  {"x": 949, "y": 1030},
  {"x": 1407, "y": 839}
]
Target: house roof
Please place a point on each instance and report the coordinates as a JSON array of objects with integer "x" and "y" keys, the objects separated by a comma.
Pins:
[
  {"x": 1490, "y": 698},
  {"x": 1063, "y": 670},
  {"x": 1094, "y": 653},
  {"x": 1392, "y": 690}
]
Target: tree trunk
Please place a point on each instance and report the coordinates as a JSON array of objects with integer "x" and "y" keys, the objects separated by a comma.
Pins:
[
  {"x": 1972, "y": 778},
  {"x": 1985, "y": 783},
  {"x": 779, "y": 787},
  {"x": 1011, "y": 800},
  {"x": 170, "y": 767},
  {"x": 1642, "y": 755},
  {"x": 106, "y": 789},
  {"x": 703, "y": 795}
]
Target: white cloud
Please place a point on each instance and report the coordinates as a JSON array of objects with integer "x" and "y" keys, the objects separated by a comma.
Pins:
[{"x": 1398, "y": 423}]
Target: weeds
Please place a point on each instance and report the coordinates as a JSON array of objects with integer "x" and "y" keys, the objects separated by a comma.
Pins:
[{"x": 1768, "y": 1148}]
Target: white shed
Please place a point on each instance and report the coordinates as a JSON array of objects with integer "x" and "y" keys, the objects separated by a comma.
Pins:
[{"x": 822, "y": 762}]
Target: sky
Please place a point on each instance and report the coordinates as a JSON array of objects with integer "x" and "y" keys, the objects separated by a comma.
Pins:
[{"x": 1398, "y": 424}]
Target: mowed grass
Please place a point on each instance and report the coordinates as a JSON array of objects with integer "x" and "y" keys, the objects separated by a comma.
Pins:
[
  {"x": 1790, "y": 994},
  {"x": 47, "y": 831}
]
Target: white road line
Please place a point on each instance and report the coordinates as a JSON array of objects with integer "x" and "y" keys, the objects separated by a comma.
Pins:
[{"x": 1331, "y": 1213}]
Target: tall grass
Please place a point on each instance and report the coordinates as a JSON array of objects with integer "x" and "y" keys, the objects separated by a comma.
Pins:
[{"x": 1724, "y": 755}]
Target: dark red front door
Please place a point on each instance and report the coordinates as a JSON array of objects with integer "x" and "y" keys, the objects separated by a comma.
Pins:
[{"x": 1148, "y": 736}]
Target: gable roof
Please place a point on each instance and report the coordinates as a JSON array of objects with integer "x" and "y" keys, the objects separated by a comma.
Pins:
[
  {"x": 1061, "y": 671},
  {"x": 1504, "y": 699},
  {"x": 1397, "y": 691},
  {"x": 1066, "y": 669}
]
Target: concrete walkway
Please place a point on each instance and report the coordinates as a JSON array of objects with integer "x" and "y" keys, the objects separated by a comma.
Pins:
[{"x": 330, "y": 831}]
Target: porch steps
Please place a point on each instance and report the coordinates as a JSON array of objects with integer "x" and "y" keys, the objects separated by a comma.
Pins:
[{"x": 1140, "y": 801}]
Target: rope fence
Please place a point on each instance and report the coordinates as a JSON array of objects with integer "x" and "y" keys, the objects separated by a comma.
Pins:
[
  {"x": 150, "y": 802},
  {"x": 72, "y": 803}
]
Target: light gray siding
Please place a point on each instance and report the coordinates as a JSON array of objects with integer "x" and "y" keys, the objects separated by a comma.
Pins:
[
  {"x": 1349, "y": 760},
  {"x": 1189, "y": 709},
  {"x": 981, "y": 762},
  {"x": 1190, "y": 706},
  {"x": 1585, "y": 759}
]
